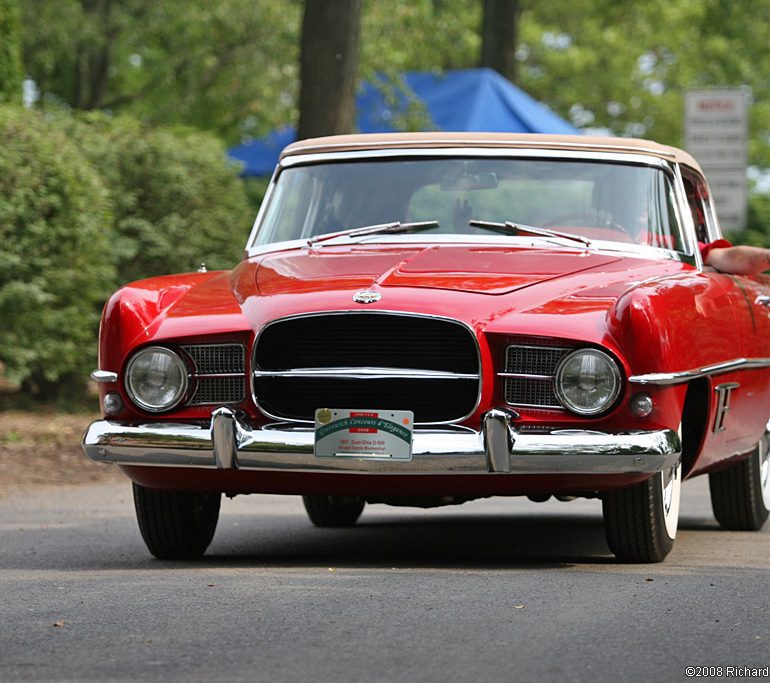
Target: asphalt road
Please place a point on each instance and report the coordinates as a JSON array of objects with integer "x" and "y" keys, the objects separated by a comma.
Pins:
[{"x": 495, "y": 590}]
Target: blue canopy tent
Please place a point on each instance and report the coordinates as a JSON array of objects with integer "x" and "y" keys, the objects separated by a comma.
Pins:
[{"x": 467, "y": 100}]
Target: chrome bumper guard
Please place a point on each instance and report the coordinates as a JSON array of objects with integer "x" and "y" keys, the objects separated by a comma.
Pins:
[{"x": 497, "y": 448}]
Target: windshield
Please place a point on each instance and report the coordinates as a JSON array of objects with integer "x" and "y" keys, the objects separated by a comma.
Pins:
[{"x": 619, "y": 202}]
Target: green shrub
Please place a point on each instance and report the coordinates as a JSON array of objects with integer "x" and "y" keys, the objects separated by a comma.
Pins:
[
  {"x": 757, "y": 232},
  {"x": 10, "y": 52},
  {"x": 87, "y": 203},
  {"x": 54, "y": 255},
  {"x": 176, "y": 200}
]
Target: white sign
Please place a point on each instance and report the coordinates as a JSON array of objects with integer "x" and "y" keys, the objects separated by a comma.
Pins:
[
  {"x": 716, "y": 134},
  {"x": 371, "y": 434},
  {"x": 716, "y": 126},
  {"x": 728, "y": 187}
]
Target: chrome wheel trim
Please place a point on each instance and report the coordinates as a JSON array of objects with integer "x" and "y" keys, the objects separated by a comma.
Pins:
[
  {"x": 671, "y": 490},
  {"x": 763, "y": 453}
]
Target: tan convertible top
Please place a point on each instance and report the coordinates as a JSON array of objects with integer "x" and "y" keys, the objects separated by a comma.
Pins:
[{"x": 435, "y": 140}]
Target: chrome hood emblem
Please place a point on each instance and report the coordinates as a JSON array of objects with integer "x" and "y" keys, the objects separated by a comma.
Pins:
[{"x": 366, "y": 296}]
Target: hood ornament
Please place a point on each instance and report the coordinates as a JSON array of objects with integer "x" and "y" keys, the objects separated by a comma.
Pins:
[{"x": 366, "y": 296}]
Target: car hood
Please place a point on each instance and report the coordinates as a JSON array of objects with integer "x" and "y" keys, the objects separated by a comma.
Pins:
[
  {"x": 478, "y": 269},
  {"x": 563, "y": 292}
]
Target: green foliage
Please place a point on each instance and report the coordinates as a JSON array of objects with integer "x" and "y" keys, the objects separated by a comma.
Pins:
[
  {"x": 229, "y": 67},
  {"x": 86, "y": 203},
  {"x": 757, "y": 232},
  {"x": 10, "y": 52},
  {"x": 421, "y": 35},
  {"x": 176, "y": 200},
  {"x": 255, "y": 188},
  {"x": 54, "y": 238}
]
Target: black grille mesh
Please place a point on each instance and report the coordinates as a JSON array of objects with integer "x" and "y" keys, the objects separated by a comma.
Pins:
[
  {"x": 218, "y": 390},
  {"x": 367, "y": 340},
  {"x": 532, "y": 360},
  {"x": 213, "y": 359},
  {"x": 530, "y": 392}
]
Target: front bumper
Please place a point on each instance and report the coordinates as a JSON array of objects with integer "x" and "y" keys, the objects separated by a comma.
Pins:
[{"x": 498, "y": 448}]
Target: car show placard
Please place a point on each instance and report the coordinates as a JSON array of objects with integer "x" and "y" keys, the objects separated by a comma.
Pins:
[{"x": 363, "y": 433}]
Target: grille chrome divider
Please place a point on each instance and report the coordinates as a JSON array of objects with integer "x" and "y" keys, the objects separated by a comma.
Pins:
[
  {"x": 367, "y": 373},
  {"x": 523, "y": 375}
]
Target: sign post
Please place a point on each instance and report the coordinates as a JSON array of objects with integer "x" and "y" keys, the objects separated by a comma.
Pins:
[{"x": 716, "y": 134}]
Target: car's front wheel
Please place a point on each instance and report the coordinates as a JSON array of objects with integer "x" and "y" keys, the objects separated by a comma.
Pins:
[
  {"x": 176, "y": 525},
  {"x": 740, "y": 494},
  {"x": 640, "y": 522},
  {"x": 333, "y": 511}
]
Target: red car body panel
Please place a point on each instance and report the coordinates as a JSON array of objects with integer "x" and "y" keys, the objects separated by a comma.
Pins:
[
  {"x": 653, "y": 316},
  {"x": 393, "y": 336}
]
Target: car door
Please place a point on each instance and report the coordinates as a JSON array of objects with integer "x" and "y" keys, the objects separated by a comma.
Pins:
[{"x": 740, "y": 399}]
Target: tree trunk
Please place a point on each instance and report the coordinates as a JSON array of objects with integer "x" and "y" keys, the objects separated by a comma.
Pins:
[
  {"x": 328, "y": 67},
  {"x": 498, "y": 36}
]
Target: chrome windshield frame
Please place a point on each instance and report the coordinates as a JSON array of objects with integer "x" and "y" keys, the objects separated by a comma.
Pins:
[{"x": 610, "y": 156}]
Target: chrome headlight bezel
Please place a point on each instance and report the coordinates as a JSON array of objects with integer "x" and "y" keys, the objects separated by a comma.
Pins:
[
  {"x": 180, "y": 392},
  {"x": 613, "y": 372}
]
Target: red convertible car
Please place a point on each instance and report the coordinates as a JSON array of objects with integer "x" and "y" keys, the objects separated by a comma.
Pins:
[{"x": 425, "y": 319}]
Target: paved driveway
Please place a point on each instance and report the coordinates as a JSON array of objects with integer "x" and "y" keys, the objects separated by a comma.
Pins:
[{"x": 495, "y": 590}]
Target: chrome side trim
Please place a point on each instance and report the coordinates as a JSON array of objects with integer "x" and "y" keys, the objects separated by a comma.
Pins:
[
  {"x": 497, "y": 449},
  {"x": 671, "y": 378},
  {"x": 104, "y": 376},
  {"x": 279, "y": 418},
  {"x": 366, "y": 373}
]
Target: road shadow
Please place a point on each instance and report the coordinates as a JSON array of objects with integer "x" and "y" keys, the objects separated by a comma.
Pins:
[
  {"x": 477, "y": 541},
  {"x": 286, "y": 540}
]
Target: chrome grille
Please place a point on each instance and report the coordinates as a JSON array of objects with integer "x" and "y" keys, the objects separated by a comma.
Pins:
[
  {"x": 218, "y": 390},
  {"x": 216, "y": 359},
  {"x": 226, "y": 360},
  {"x": 540, "y": 363},
  {"x": 398, "y": 345},
  {"x": 533, "y": 360}
]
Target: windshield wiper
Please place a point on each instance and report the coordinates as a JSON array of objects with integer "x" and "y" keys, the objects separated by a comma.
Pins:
[
  {"x": 511, "y": 228},
  {"x": 382, "y": 228}
]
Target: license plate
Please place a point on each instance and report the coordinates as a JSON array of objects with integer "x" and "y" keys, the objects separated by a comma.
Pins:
[{"x": 371, "y": 434}]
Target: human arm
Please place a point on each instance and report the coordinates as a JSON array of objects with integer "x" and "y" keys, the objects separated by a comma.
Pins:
[{"x": 740, "y": 260}]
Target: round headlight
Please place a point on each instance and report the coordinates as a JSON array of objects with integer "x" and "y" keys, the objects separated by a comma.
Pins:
[
  {"x": 587, "y": 381},
  {"x": 156, "y": 379}
]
